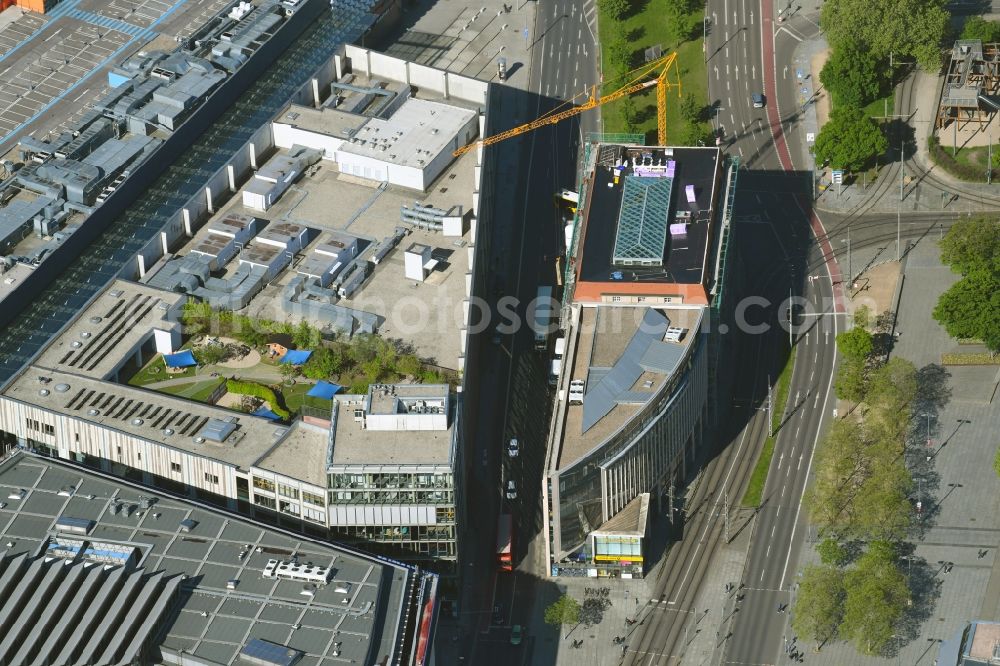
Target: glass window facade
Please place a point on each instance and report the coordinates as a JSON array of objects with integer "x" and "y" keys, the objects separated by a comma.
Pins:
[{"x": 670, "y": 418}]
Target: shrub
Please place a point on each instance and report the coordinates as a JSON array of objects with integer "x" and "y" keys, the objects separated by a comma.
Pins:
[{"x": 256, "y": 390}]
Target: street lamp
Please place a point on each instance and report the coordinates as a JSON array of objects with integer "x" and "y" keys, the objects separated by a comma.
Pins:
[{"x": 928, "y": 416}]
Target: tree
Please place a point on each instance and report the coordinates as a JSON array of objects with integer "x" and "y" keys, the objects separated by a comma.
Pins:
[
  {"x": 210, "y": 354},
  {"x": 832, "y": 552},
  {"x": 855, "y": 344},
  {"x": 630, "y": 115},
  {"x": 852, "y": 75},
  {"x": 849, "y": 139},
  {"x": 564, "y": 610},
  {"x": 905, "y": 28},
  {"x": 819, "y": 606},
  {"x": 408, "y": 365},
  {"x": 325, "y": 362},
  {"x": 196, "y": 317},
  {"x": 289, "y": 371},
  {"x": 876, "y": 594},
  {"x": 683, "y": 18},
  {"x": 996, "y": 462},
  {"x": 690, "y": 109},
  {"x": 970, "y": 308},
  {"x": 849, "y": 382},
  {"x": 840, "y": 465},
  {"x": 305, "y": 336},
  {"x": 620, "y": 51},
  {"x": 862, "y": 317},
  {"x": 976, "y": 27},
  {"x": 972, "y": 244},
  {"x": 614, "y": 9}
]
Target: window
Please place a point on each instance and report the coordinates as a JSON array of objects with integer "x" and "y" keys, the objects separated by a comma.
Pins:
[
  {"x": 119, "y": 451},
  {"x": 212, "y": 478},
  {"x": 288, "y": 491},
  {"x": 48, "y": 430},
  {"x": 263, "y": 501},
  {"x": 312, "y": 498},
  {"x": 313, "y": 515},
  {"x": 175, "y": 467},
  {"x": 263, "y": 484},
  {"x": 640, "y": 299},
  {"x": 616, "y": 299},
  {"x": 76, "y": 437}
]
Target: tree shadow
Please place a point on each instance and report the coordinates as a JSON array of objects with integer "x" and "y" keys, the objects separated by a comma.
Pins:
[
  {"x": 933, "y": 393},
  {"x": 902, "y": 141},
  {"x": 925, "y": 589}
]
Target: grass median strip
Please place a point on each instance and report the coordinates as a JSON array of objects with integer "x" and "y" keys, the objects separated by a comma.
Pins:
[{"x": 752, "y": 496}]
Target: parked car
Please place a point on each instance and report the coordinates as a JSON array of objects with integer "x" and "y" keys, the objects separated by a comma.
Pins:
[
  {"x": 511, "y": 490},
  {"x": 513, "y": 448},
  {"x": 515, "y": 634}
]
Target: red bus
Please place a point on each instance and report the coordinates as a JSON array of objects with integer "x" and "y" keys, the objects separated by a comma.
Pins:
[{"x": 504, "y": 542}]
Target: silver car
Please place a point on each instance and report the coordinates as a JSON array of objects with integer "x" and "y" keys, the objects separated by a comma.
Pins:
[
  {"x": 513, "y": 448},
  {"x": 511, "y": 490}
]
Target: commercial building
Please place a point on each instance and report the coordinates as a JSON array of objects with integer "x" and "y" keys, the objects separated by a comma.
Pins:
[
  {"x": 378, "y": 468},
  {"x": 97, "y": 570},
  {"x": 976, "y": 644},
  {"x": 633, "y": 403},
  {"x": 375, "y": 469}
]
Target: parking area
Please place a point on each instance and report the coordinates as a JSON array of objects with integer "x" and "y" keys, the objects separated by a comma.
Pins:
[
  {"x": 36, "y": 77},
  {"x": 16, "y": 26},
  {"x": 137, "y": 12},
  {"x": 193, "y": 18}
]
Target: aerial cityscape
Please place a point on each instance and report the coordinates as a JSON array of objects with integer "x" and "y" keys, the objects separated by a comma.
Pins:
[{"x": 561, "y": 332}]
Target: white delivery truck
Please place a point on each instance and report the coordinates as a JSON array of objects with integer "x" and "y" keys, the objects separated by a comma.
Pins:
[
  {"x": 541, "y": 318},
  {"x": 556, "y": 367}
]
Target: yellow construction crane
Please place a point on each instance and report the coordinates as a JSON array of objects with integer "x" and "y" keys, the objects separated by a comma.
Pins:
[{"x": 638, "y": 80}]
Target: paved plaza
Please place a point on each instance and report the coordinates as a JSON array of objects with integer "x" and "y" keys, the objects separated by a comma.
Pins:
[{"x": 954, "y": 477}]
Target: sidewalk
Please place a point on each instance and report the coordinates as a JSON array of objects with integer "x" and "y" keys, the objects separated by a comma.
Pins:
[{"x": 925, "y": 186}]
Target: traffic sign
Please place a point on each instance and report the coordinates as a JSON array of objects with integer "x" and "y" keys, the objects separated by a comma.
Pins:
[{"x": 838, "y": 176}]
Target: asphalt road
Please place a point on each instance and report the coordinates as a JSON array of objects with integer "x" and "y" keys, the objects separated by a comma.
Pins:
[{"x": 526, "y": 237}]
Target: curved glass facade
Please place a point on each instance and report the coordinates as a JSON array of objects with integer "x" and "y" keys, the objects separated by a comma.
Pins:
[{"x": 633, "y": 459}]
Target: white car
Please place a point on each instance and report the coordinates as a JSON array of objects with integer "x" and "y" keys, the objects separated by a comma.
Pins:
[
  {"x": 511, "y": 490},
  {"x": 576, "y": 392},
  {"x": 513, "y": 448}
]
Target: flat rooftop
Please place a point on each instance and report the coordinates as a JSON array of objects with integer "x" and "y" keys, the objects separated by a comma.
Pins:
[
  {"x": 985, "y": 637},
  {"x": 301, "y": 454},
  {"x": 354, "y": 445},
  {"x": 426, "y": 315},
  {"x": 95, "y": 343},
  {"x": 207, "y": 620},
  {"x": 418, "y": 131},
  {"x": 639, "y": 224},
  {"x": 604, "y": 335},
  {"x": 146, "y": 414}
]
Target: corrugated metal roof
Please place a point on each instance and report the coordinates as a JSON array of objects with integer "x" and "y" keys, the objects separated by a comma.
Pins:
[{"x": 661, "y": 357}]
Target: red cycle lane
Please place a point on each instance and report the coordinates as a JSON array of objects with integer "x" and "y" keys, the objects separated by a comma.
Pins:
[{"x": 784, "y": 158}]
